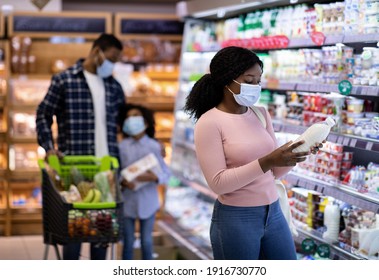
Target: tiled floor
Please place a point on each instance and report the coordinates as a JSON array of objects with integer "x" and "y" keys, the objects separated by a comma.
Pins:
[{"x": 32, "y": 248}]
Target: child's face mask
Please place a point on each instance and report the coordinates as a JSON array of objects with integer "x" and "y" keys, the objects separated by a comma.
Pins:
[{"x": 134, "y": 125}]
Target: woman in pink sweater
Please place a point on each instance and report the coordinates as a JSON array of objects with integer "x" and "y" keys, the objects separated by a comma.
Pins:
[{"x": 240, "y": 159}]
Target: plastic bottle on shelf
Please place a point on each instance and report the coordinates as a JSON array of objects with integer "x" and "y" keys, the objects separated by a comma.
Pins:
[
  {"x": 314, "y": 134},
  {"x": 332, "y": 217}
]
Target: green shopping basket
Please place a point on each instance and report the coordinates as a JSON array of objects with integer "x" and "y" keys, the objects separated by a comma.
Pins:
[{"x": 65, "y": 222}]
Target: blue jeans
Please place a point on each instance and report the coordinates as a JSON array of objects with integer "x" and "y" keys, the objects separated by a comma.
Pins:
[
  {"x": 71, "y": 251},
  {"x": 250, "y": 233},
  {"x": 146, "y": 233}
]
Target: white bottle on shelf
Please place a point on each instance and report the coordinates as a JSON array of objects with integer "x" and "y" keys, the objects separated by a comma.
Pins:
[
  {"x": 314, "y": 134},
  {"x": 332, "y": 217}
]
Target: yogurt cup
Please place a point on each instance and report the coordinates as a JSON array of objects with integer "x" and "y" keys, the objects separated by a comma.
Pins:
[{"x": 355, "y": 105}]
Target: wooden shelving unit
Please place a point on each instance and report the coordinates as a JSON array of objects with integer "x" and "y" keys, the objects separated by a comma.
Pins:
[{"x": 80, "y": 28}]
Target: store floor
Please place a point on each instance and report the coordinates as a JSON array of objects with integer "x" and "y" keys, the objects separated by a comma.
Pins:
[{"x": 31, "y": 247}]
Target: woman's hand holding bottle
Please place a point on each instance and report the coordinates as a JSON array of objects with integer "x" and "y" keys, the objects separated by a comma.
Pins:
[{"x": 283, "y": 156}]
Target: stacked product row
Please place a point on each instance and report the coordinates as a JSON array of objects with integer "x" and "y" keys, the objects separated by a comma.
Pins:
[
  {"x": 328, "y": 65},
  {"x": 337, "y": 222}
]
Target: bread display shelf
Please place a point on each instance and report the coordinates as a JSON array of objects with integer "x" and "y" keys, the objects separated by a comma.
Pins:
[
  {"x": 25, "y": 174},
  {"x": 156, "y": 103}
]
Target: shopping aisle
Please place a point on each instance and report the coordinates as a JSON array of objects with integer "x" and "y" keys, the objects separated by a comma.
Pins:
[{"x": 31, "y": 247}]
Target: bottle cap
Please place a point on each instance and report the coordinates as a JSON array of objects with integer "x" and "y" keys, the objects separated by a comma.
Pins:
[{"x": 330, "y": 122}]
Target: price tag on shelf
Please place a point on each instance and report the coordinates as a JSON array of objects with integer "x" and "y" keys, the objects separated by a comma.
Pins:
[
  {"x": 273, "y": 83},
  {"x": 318, "y": 38},
  {"x": 332, "y": 138},
  {"x": 369, "y": 146},
  {"x": 353, "y": 142},
  {"x": 340, "y": 140},
  {"x": 346, "y": 141}
]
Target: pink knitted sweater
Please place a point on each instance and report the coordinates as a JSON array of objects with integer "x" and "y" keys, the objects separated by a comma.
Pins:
[{"x": 228, "y": 147}]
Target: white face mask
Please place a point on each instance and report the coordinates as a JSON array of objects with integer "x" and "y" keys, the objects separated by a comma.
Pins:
[{"x": 249, "y": 94}]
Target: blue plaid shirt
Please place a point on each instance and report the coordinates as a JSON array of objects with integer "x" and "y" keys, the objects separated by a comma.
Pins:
[{"x": 70, "y": 100}]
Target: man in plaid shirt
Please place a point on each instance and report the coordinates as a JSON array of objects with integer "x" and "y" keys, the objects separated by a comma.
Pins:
[{"x": 85, "y": 99}]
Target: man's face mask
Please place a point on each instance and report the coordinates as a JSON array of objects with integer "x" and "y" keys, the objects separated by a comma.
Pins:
[{"x": 105, "y": 70}]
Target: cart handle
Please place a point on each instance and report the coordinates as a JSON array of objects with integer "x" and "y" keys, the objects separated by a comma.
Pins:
[{"x": 106, "y": 162}]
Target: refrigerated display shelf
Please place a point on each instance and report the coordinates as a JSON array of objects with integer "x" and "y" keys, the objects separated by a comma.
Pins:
[
  {"x": 187, "y": 145},
  {"x": 335, "y": 247},
  {"x": 190, "y": 246},
  {"x": 318, "y": 87},
  {"x": 305, "y": 42},
  {"x": 351, "y": 141},
  {"x": 336, "y": 190},
  {"x": 200, "y": 187}
]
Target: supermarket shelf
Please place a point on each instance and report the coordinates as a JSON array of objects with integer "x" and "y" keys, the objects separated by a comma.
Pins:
[
  {"x": 319, "y": 87},
  {"x": 25, "y": 174},
  {"x": 336, "y": 190},
  {"x": 366, "y": 38},
  {"x": 307, "y": 42},
  {"x": 163, "y": 75},
  {"x": 163, "y": 135},
  {"x": 335, "y": 249},
  {"x": 2, "y": 136},
  {"x": 3, "y": 210},
  {"x": 200, "y": 188},
  {"x": 351, "y": 141},
  {"x": 3, "y": 172},
  {"x": 156, "y": 103},
  {"x": 186, "y": 145},
  {"x": 31, "y": 76},
  {"x": 23, "y": 140},
  {"x": 196, "y": 185},
  {"x": 28, "y": 217},
  {"x": 304, "y": 42},
  {"x": 190, "y": 246},
  {"x": 23, "y": 107}
]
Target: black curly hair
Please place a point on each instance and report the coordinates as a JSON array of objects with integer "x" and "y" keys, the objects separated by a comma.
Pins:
[
  {"x": 228, "y": 64},
  {"x": 147, "y": 114}
]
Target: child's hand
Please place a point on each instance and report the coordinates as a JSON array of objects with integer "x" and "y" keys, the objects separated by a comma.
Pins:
[
  {"x": 148, "y": 176},
  {"x": 127, "y": 185}
]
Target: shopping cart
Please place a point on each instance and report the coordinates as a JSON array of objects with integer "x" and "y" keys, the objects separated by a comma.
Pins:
[{"x": 65, "y": 222}]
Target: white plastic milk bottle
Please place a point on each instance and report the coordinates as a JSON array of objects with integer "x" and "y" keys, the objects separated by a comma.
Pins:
[{"x": 314, "y": 134}]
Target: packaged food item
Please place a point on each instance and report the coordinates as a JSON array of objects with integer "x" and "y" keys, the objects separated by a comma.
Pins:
[{"x": 354, "y": 105}]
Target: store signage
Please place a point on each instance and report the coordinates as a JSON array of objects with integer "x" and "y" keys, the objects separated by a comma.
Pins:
[
  {"x": 323, "y": 250},
  {"x": 318, "y": 38},
  {"x": 261, "y": 43},
  {"x": 56, "y": 24},
  {"x": 308, "y": 245},
  {"x": 345, "y": 87},
  {"x": 151, "y": 26}
]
